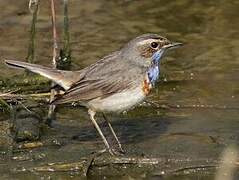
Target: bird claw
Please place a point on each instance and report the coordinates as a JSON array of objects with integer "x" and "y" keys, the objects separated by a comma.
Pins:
[
  {"x": 115, "y": 152},
  {"x": 121, "y": 150},
  {"x": 112, "y": 152}
]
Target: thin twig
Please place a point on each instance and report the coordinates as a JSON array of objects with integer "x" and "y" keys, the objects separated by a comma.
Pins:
[
  {"x": 33, "y": 7},
  {"x": 64, "y": 60},
  {"x": 55, "y": 47},
  {"x": 66, "y": 48}
]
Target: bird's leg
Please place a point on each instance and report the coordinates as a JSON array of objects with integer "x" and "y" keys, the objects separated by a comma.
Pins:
[
  {"x": 92, "y": 114},
  {"x": 113, "y": 132}
]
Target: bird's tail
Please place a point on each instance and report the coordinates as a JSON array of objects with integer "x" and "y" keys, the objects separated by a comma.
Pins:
[{"x": 64, "y": 78}]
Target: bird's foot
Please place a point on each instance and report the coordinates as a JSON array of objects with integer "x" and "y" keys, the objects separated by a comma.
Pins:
[
  {"x": 115, "y": 152},
  {"x": 121, "y": 150},
  {"x": 111, "y": 151}
]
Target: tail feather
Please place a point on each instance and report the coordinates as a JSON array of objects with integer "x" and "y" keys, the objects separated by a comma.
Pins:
[{"x": 64, "y": 78}]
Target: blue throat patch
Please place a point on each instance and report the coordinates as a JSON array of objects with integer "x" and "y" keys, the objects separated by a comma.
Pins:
[{"x": 154, "y": 71}]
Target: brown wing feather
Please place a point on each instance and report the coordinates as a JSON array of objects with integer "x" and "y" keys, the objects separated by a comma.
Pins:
[
  {"x": 92, "y": 89},
  {"x": 108, "y": 76}
]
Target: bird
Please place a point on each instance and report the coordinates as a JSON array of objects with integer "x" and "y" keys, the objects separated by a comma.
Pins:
[{"x": 116, "y": 83}]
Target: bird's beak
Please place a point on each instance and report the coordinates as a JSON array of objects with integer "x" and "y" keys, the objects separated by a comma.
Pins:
[{"x": 172, "y": 45}]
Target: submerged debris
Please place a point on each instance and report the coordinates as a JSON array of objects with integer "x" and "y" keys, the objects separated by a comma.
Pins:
[{"x": 26, "y": 124}]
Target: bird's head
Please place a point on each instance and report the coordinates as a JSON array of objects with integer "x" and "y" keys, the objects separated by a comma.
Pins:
[{"x": 147, "y": 49}]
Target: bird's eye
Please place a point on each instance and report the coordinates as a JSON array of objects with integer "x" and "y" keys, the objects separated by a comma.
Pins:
[{"x": 154, "y": 45}]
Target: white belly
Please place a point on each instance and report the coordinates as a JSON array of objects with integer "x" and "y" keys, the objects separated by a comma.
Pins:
[{"x": 118, "y": 102}]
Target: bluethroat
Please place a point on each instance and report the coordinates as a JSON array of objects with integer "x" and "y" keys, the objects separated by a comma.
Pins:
[{"x": 115, "y": 83}]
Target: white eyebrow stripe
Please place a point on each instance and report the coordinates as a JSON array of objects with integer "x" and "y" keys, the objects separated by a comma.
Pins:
[{"x": 147, "y": 41}]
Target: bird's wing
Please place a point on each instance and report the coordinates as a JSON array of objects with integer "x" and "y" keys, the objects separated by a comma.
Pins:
[
  {"x": 86, "y": 90},
  {"x": 67, "y": 79},
  {"x": 107, "y": 76}
]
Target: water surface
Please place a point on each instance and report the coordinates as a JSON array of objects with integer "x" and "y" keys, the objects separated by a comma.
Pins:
[{"x": 198, "y": 84}]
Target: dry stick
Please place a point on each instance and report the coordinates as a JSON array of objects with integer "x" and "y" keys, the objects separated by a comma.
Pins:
[
  {"x": 98, "y": 162},
  {"x": 82, "y": 164},
  {"x": 9, "y": 95},
  {"x": 55, "y": 47},
  {"x": 33, "y": 7},
  {"x": 66, "y": 29},
  {"x": 64, "y": 61}
]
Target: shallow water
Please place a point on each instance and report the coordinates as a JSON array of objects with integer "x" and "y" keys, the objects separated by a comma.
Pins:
[{"x": 198, "y": 84}]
